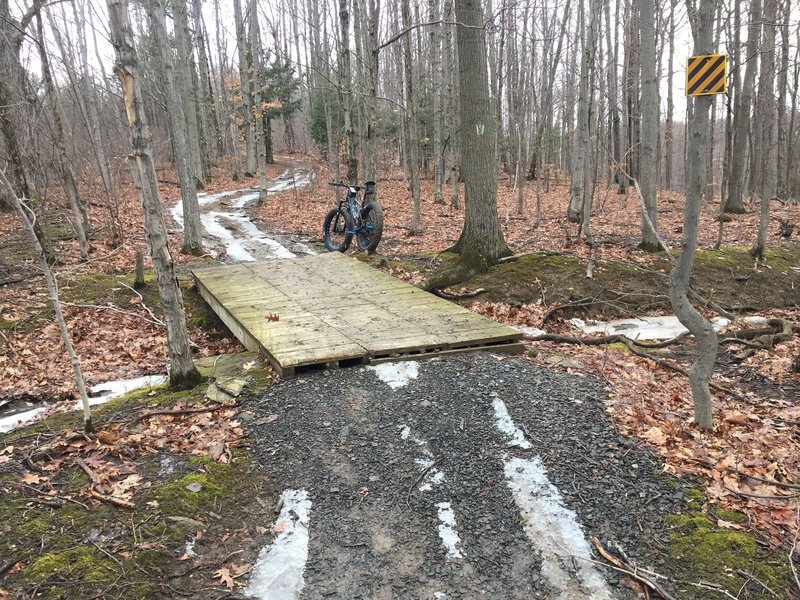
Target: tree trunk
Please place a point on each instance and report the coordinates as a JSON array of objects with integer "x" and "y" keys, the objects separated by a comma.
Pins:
[
  {"x": 346, "y": 92},
  {"x": 369, "y": 145},
  {"x": 205, "y": 98},
  {"x": 648, "y": 175},
  {"x": 258, "y": 104},
  {"x": 696, "y": 323},
  {"x": 192, "y": 228},
  {"x": 669, "y": 128},
  {"x": 52, "y": 289},
  {"x": 481, "y": 242},
  {"x": 783, "y": 145},
  {"x": 79, "y": 220},
  {"x": 182, "y": 373},
  {"x": 741, "y": 117},
  {"x": 248, "y": 110},
  {"x": 438, "y": 102},
  {"x": 410, "y": 115},
  {"x": 580, "y": 142},
  {"x": 452, "y": 111},
  {"x": 766, "y": 114}
]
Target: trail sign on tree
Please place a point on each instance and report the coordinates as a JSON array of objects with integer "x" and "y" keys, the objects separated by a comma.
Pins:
[{"x": 706, "y": 74}]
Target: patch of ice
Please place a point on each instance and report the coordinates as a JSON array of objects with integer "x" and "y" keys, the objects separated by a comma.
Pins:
[
  {"x": 189, "y": 550},
  {"x": 642, "y": 328},
  {"x": 396, "y": 374},
  {"x": 100, "y": 393},
  {"x": 554, "y": 530},
  {"x": 405, "y": 432},
  {"x": 439, "y": 595},
  {"x": 11, "y": 422},
  {"x": 425, "y": 463},
  {"x": 531, "y": 331},
  {"x": 447, "y": 530},
  {"x": 278, "y": 572},
  {"x": 504, "y": 423},
  {"x": 103, "y": 392},
  {"x": 552, "y": 527}
]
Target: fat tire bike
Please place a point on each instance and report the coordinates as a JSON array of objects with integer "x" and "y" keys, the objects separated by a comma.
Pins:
[{"x": 356, "y": 214}]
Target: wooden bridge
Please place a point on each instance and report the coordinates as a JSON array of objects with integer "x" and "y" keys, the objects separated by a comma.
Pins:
[{"x": 331, "y": 310}]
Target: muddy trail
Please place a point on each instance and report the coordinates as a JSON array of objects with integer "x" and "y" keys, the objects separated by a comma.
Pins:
[{"x": 438, "y": 485}]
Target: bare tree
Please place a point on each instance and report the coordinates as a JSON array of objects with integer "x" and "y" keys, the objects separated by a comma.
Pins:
[
  {"x": 182, "y": 373},
  {"x": 702, "y": 21},
  {"x": 52, "y": 289},
  {"x": 247, "y": 100},
  {"x": 648, "y": 175},
  {"x": 411, "y": 137}
]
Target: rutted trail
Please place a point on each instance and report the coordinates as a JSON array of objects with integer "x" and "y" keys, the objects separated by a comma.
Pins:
[{"x": 417, "y": 491}]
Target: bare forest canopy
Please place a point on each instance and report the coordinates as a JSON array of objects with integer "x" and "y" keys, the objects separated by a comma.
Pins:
[{"x": 360, "y": 80}]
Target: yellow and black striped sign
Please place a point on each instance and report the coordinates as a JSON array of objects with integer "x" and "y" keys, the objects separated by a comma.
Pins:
[{"x": 706, "y": 74}]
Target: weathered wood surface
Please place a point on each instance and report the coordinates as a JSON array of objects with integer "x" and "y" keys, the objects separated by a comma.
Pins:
[{"x": 332, "y": 308}]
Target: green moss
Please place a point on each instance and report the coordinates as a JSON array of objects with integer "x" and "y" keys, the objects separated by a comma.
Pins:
[
  {"x": 732, "y": 516},
  {"x": 694, "y": 494},
  {"x": 219, "y": 486},
  {"x": 709, "y": 553},
  {"x": 84, "y": 563}
]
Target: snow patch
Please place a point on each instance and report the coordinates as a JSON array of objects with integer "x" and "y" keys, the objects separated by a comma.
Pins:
[
  {"x": 531, "y": 331},
  {"x": 396, "y": 374},
  {"x": 504, "y": 423},
  {"x": 278, "y": 572},
  {"x": 11, "y": 422},
  {"x": 552, "y": 527},
  {"x": 642, "y": 328},
  {"x": 103, "y": 392},
  {"x": 447, "y": 530},
  {"x": 405, "y": 432}
]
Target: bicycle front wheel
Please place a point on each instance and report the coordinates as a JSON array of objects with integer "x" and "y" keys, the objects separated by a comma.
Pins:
[
  {"x": 337, "y": 230},
  {"x": 371, "y": 230}
]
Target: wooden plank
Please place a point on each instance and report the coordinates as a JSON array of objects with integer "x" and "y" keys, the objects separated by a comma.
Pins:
[{"x": 333, "y": 308}]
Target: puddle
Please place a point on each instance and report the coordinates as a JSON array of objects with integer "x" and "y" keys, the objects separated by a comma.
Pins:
[
  {"x": 278, "y": 572},
  {"x": 396, "y": 374},
  {"x": 98, "y": 394},
  {"x": 226, "y": 224},
  {"x": 551, "y": 526},
  {"x": 642, "y": 328}
]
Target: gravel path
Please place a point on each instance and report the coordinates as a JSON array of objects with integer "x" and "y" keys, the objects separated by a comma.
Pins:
[{"x": 409, "y": 485}]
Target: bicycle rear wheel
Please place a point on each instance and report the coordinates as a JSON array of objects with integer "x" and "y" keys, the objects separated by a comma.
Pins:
[
  {"x": 337, "y": 230},
  {"x": 371, "y": 230}
]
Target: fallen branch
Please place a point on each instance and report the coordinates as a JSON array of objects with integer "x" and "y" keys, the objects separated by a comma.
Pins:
[
  {"x": 791, "y": 486},
  {"x": 632, "y": 346},
  {"x": 454, "y": 296},
  {"x": 631, "y": 570}
]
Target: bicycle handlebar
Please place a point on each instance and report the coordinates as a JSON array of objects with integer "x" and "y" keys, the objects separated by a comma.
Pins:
[{"x": 345, "y": 185}]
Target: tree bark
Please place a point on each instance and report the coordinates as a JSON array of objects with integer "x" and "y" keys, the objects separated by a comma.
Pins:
[
  {"x": 766, "y": 114},
  {"x": 741, "y": 117},
  {"x": 481, "y": 243},
  {"x": 648, "y": 175},
  {"x": 438, "y": 102},
  {"x": 410, "y": 116},
  {"x": 192, "y": 228},
  {"x": 248, "y": 110},
  {"x": 696, "y": 323},
  {"x": 182, "y": 373},
  {"x": 187, "y": 83},
  {"x": 669, "y": 129},
  {"x": 346, "y": 92},
  {"x": 258, "y": 104},
  {"x": 783, "y": 77}
]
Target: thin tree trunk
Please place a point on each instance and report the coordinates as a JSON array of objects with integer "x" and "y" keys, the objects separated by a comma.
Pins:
[
  {"x": 696, "y": 323},
  {"x": 346, "y": 92},
  {"x": 452, "y": 111},
  {"x": 438, "y": 102},
  {"x": 258, "y": 103},
  {"x": 52, "y": 289},
  {"x": 192, "y": 228},
  {"x": 648, "y": 175},
  {"x": 62, "y": 160},
  {"x": 182, "y": 373},
  {"x": 741, "y": 117},
  {"x": 669, "y": 129},
  {"x": 766, "y": 114},
  {"x": 412, "y": 139},
  {"x": 248, "y": 110},
  {"x": 783, "y": 149},
  {"x": 580, "y": 143},
  {"x": 205, "y": 97}
]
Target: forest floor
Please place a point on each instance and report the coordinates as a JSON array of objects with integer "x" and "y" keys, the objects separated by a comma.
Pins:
[{"x": 116, "y": 515}]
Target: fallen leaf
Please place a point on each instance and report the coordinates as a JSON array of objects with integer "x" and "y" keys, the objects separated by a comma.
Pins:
[
  {"x": 216, "y": 450},
  {"x": 728, "y": 525},
  {"x": 108, "y": 437},
  {"x": 224, "y": 575},
  {"x": 31, "y": 478},
  {"x": 261, "y": 530},
  {"x": 267, "y": 420},
  {"x": 655, "y": 435},
  {"x": 7, "y": 450},
  {"x": 250, "y": 364},
  {"x": 194, "y": 487}
]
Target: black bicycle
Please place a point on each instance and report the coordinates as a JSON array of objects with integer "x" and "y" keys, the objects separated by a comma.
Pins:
[{"x": 361, "y": 216}]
